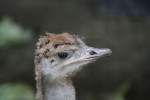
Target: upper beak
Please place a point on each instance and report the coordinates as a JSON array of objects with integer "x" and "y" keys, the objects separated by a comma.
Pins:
[
  {"x": 98, "y": 53},
  {"x": 103, "y": 52}
]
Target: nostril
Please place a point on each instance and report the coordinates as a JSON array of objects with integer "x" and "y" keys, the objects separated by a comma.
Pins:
[{"x": 92, "y": 52}]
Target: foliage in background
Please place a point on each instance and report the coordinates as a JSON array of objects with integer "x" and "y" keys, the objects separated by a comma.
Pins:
[
  {"x": 12, "y": 33},
  {"x": 16, "y": 92},
  {"x": 121, "y": 92}
]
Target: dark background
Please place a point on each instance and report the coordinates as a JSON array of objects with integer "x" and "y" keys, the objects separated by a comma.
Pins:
[{"x": 121, "y": 25}]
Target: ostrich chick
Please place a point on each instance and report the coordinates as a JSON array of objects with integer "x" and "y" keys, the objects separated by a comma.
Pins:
[{"x": 57, "y": 59}]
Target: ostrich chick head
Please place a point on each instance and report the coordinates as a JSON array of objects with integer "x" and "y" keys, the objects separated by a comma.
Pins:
[{"x": 61, "y": 56}]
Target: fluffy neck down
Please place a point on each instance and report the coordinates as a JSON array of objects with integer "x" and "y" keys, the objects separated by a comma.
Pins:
[{"x": 59, "y": 90}]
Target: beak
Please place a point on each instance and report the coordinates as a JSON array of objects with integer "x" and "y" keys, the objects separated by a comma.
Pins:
[
  {"x": 95, "y": 53},
  {"x": 91, "y": 55},
  {"x": 102, "y": 52}
]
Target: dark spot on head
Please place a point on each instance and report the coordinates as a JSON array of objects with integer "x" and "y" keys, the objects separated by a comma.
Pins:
[
  {"x": 40, "y": 46},
  {"x": 47, "y": 50},
  {"x": 47, "y": 42},
  {"x": 37, "y": 59},
  {"x": 45, "y": 53},
  {"x": 37, "y": 54},
  {"x": 52, "y": 60}
]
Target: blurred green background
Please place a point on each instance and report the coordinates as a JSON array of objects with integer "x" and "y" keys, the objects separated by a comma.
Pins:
[{"x": 121, "y": 25}]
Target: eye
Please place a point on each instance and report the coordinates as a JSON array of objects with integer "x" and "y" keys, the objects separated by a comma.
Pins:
[{"x": 63, "y": 55}]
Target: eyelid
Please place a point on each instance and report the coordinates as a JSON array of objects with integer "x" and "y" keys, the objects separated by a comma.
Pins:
[
  {"x": 66, "y": 48},
  {"x": 69, "y": 51}
]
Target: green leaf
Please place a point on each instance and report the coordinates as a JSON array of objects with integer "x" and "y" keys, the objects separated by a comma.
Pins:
[
  {"x": 16, "y": 92},
  {"x": 11, "y": 32}
]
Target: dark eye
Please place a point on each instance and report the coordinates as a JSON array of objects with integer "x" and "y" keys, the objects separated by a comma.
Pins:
[{"x": 62, "y": 55}]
